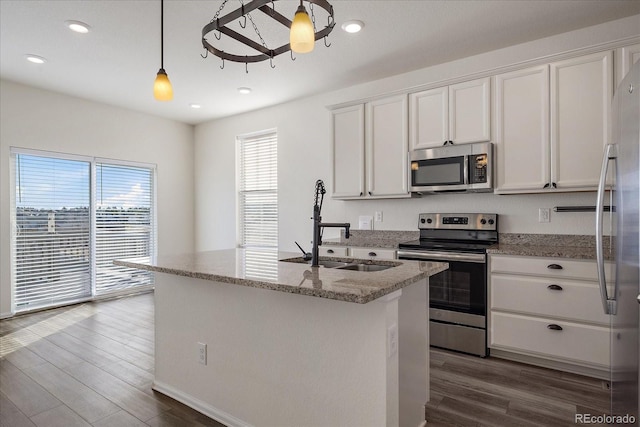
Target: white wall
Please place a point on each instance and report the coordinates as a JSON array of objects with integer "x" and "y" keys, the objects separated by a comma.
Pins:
[
  {"x": 36, "y": 119},
  {"x": 303, "y": 156}
]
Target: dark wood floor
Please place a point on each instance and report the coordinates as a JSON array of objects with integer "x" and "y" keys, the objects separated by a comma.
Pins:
[
  {"x": 92, "y": 365},
  {"x": 471, "y": 391}
]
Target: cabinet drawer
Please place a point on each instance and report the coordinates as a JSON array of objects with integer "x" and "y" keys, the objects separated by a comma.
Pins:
[
  {"x": 575, "y": 342},
  {"x": 339, "y": 251},
  {"x": 373, "y": 253},
  {"x": 579, "y": 301},
  {"x": 553, "y": 267}
]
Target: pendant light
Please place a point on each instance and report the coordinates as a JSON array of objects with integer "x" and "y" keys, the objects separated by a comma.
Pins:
[
  {"x": 302, "y": 35},
  {"x": 162, "y": 89}
]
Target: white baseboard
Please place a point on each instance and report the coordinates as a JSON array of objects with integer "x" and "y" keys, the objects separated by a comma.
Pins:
[
  {"x": 6, "y": 315},
  {"x": 200, "y": 406}
]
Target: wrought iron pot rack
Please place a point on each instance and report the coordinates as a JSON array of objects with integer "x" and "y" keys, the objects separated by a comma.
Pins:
[{"x": 218, "y": 26}]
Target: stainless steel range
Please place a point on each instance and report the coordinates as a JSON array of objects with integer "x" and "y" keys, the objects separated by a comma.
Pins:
[{"x": 457, "y": 296}]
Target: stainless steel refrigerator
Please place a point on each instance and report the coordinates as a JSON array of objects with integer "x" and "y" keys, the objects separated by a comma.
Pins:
[{"x": 621, "y": 227}]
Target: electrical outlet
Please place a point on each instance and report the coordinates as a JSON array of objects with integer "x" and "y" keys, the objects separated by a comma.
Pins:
[
  {"x": 544, "y": 215},
  {"x": 202, "y": 353},
  {"x": 378, "y": 216},
  {"x": 392, "y": 340}
]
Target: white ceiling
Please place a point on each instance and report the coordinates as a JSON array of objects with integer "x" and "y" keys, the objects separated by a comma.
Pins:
[{"x": 116, "y": 62}]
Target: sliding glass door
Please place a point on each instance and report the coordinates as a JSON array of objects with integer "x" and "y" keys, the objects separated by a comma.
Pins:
[
  {"x": 52, "y": 262},
  {"x": 72, "y": 217}
]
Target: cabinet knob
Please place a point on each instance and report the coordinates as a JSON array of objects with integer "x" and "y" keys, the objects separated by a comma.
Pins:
[
  {"x": 361, "y": 194},
  {"x": 553, "y": 184},
  {"x": 329, "y": 251},
  {"x": 371, "y": 194},
  {"x": 547, "y": 185},
  {"x": 554, "y": 267},
  {"x": 555, "y": 287},
  {"x": 373, "y": 254},
  {"x": 554, "y": 327}
]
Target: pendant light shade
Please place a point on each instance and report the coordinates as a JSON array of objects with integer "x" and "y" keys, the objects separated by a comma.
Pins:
[
  {"x": 302, "y": 35},
  {"x": 162, "y": 89}
]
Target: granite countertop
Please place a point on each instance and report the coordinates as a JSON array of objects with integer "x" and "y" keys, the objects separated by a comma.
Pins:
[
  {"x": 387, "y": 239},
  {"x": 550, "y": 245},
  {"x": 263, "y": 269}
]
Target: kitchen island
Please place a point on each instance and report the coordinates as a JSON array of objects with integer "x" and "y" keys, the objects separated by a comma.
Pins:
[{"x": 291, "y": 345}]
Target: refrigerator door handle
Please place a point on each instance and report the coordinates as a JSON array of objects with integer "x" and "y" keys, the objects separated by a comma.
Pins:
[{"x": 608, "y": 304}]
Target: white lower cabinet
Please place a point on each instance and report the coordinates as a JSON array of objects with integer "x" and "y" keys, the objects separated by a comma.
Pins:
[
  {"x": 548, "y": 309},
  {"x": 358, "y": 252},
  {"x": 333, "y": 251}
]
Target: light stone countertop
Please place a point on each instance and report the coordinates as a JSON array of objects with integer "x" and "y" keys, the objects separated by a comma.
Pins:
[
  {"x": 263, "y": 269},
  {"x": 551, "y": 245}
]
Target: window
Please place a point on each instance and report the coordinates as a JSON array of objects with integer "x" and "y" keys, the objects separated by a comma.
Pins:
[
  {"x": 124, "y": 225},
  {"x": 72, "y": 217},
  {"x": 258, "y": 190},
  {"x": 52, "y": 231}
]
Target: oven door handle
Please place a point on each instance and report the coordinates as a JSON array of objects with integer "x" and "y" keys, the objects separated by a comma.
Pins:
[{"x": 442, "y": 256}]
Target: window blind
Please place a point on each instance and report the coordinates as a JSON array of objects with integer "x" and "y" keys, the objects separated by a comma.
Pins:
[
  {"x": 52, "y": 220},
  {"x": 124, "y": 225},
  {"x": 258, "y": 190}
]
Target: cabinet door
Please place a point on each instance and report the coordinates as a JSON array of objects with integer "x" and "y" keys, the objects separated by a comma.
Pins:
[
  {"x": 387, "y": 147},
  {"x": 347, "y": 154},
  {"x": 522, "y": 129},
  {"x": 469, "y": 111},
  {"x": 625, "y": 58},
  {"x": 581, "y": 90},
  {"x": 429, "y": 118}
]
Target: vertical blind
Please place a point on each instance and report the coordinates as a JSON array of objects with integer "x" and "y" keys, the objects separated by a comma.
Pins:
[
  {"x": 65, "y": 242},
  {"x": 124, "y": 225},
  {"x": 258, "y": 190},
  {"x": 51, "y": 246}
]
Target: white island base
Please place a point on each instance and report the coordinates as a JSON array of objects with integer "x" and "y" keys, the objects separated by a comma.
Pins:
[{"x": 279, "y": 359}]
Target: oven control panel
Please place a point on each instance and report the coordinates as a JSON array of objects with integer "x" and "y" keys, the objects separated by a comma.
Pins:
[{"x": 458, "y": 221}]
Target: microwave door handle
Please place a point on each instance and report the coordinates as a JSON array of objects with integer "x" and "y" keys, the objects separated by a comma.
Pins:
[{"x": 466, "y": 169}]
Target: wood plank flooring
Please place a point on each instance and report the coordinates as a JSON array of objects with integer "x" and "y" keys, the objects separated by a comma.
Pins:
[
  {"x": 471, "y": 391},
  {"x": 92, "y": 365}
]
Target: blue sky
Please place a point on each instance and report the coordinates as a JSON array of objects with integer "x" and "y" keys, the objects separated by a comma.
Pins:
[{"x": 50, "y": 183}]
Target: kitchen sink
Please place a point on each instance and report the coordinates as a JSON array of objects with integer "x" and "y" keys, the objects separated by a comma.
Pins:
[
  {"x": 365, "y": 267},
  {"x": 347, "y": 264}
]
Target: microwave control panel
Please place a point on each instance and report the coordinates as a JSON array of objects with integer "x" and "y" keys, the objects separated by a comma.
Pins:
[{"x": 478, "y": 169}]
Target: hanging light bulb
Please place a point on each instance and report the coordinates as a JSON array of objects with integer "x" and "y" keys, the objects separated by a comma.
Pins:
[
  {"x": 162, "y": 89},
  {"x": 302, "y": 35}
]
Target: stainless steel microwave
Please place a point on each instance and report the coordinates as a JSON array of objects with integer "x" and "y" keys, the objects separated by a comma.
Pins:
[{"x": 464, "y": 167}]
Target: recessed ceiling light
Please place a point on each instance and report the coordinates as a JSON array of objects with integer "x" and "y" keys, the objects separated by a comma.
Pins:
[
  {"x": 35, "y": 59},
  {"x": 195, "y": 106},
  {"x": 352, "y": 26},
  {"x": 78, "y": 27},
  {"x": 244, "y": 90}
]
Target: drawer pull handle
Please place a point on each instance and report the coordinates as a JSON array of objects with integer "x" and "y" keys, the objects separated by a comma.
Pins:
[
  {"x": 329, "y": 251},
  {"x": 554, "y": 267},
  {"x": 554, "y": 327},
  {"x": 373, "y": 254},
  {"x": 555, "y": 287}
]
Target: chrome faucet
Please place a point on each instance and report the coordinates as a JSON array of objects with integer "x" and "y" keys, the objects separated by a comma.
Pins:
[{"x": 318, "y": 225}]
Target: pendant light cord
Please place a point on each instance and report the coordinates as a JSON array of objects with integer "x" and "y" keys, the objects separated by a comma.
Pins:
[{"x": 162, "y": 34}]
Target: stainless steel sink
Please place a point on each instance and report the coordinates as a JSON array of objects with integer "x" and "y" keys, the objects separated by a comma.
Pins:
[
  {"x": 348, "y": 264},
  {"x": 365, "y": 267}
]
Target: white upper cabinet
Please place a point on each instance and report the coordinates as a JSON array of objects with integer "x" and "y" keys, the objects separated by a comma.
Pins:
[
  {"x": 581, "y": 93},
  {"x": 522, "y": 129},
  {"x": 625, "y": 58},
  {"x": 387, "y": 147},
  {"x": 381, "y": 157},
  {"x": 552, "y": 123},
  {"x": 459, "y": 113},
  {"x": 347, "y": 152}
]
